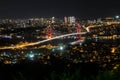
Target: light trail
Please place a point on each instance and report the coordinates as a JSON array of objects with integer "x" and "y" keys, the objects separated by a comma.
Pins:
[
  {"x": 88, "y": 27},
  {"x": 39, "y": 42},
  {"x": 99, "y": 25}
]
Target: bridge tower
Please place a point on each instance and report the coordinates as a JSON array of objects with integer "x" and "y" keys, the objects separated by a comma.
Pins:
[
  {"x": 78, "y": 29},
  {"x": 49, "y": 32}
]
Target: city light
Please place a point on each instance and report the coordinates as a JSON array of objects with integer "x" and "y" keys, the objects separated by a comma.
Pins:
[
  {"x": 61, "y": 48},
  {"x": 53, "y": 49},
  {"x": 18, "y": 46},
  {"x": 82, "y": 43},
  {"x": 31, "y": 55},
  {"x": 117, "y": 17},
  {"x": 59, "y": 40}
]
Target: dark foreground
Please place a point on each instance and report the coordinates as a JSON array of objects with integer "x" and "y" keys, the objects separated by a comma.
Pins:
[{"x": 57, "y": 70}]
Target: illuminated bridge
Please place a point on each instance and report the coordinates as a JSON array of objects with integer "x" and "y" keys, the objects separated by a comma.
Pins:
[{"x": 17, "y": 46}]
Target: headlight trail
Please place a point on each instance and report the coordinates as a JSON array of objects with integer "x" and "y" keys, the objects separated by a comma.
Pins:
[{"x": 39, "y": 42}]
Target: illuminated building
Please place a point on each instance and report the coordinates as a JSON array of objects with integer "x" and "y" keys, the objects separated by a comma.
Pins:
[
  {"x": 71, "y": 19},
  {"x": 65, "y": 19},
  {"x": 53, "y": 19}
]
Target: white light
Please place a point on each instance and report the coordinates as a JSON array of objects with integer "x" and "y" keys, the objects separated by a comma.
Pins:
[
  {"x": 31, "y": 55},
  {"x": 80, "y": 44},
  {"x": 53, "y": 50},
  {"x": 53, "y": 17},
  {"x": 87, "y": 29},
  {"x": 116, "y": 17},
  {"x": 61, "y": 48}
]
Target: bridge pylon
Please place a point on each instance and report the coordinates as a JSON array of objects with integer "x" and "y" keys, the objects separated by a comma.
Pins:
[
  {"x": 78, "y": 29},
  {"x": 49, "y": 32}
]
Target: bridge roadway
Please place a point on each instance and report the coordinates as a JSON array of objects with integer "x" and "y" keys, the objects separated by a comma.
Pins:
[{"x": 18, "y": 46}]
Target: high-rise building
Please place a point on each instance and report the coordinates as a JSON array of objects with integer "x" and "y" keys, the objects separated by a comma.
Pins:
[
  {"x": 53, "y": 19},
  {"x": 41, "y": 20},
  {"x": 65, "y": 20},
  {"x": 71, "y": 19}
]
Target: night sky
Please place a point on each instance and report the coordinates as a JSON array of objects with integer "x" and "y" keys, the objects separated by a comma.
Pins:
[{"x": 58, "y": 8}]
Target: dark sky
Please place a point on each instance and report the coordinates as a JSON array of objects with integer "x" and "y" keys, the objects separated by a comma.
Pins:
[{"x": 58, "y": 8}]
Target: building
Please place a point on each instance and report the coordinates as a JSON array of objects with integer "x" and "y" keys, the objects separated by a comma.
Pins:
[
  {"x": 65, "y": 20},
  {"x": 53, "y": 20},
  {"x": 71, "y": 20}
]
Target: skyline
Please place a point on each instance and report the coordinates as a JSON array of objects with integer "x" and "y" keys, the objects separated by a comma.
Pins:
[{"x": 49, "y": 8}]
